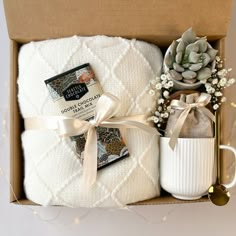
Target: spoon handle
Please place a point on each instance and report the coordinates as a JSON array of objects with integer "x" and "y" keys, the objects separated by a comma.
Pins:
[{"x": 217, "y": 135}]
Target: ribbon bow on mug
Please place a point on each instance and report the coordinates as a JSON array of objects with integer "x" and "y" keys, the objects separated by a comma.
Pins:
[
  {"x": 106, "y": 107},
  {"x": 201, "y": 102}
]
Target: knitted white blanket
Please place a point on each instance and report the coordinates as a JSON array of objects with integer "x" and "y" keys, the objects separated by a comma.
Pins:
[{"x": 52, "y": 170}]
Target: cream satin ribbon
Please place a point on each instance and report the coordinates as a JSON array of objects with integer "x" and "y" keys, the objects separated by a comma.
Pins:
[
  {"x": 106, "y": 107},
  {"x": 201, "y": 102}
]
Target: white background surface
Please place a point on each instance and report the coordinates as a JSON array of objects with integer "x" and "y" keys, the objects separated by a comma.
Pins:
[{"x": 188, "y": 219}]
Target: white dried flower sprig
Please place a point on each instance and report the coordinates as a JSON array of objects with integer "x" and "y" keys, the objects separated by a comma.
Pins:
[
  {"x": 214, "y": 85},
  {"x": 163, "y": 86},
  {"x": 218, "y": 81}
]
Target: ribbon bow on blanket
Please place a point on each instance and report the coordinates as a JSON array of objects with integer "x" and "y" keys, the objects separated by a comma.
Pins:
[
  {"x": 201, "y": 102},
  {"x": 106, "y": 107}
]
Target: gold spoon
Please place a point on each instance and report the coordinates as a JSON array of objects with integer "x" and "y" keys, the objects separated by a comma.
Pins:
[{"x": 218, "y": 193}]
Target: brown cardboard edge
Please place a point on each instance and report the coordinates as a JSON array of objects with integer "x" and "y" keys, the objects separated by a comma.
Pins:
[
  {"x": 15, "y": 144},
  {"x": 225, "y": 155},
  {"x": 47, "y": 21},
  {"x": 16, "y": 156},
  {"x": 162, "y": 41},
  {"x": 163, "y": 200}
]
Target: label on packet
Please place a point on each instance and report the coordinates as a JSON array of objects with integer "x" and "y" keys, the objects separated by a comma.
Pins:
[{"x": 76, "y": 93}]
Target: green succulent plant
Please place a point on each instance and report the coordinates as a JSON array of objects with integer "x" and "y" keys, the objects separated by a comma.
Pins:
[{"x": 189, "y": 59}]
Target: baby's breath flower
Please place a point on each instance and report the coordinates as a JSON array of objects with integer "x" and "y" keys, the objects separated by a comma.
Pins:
[
  {"x": 163, "y": 77},
  {"x": 163, "y": 82},
  {"x": 223, "y": 82},
  {"x": 214, "y": 81},
  {"x": 158, "y": 86},
  {"x": 203, "y": 81},
  {"x": 210, "y": 90},
  {"x": 166, "y": 115},
  {"x": 222, "y": 73},
  {"x": 214, "y": 85},
  {"x": 218, "y": 58},
  {"x": 218, "y": 94},
  {"x": 214, "y": 70},
  {"x": 156, "y": 120},
  {"x": 151, "y": 92},
  {"x": 171, "y": 83},
  {"x": 151, "y": 118},
  {"x": 166, "y": 94},
  {"x": 213, "y": 90},
  {"x": 153, "y": 81},
  {"x": 231, "y": 81},
  {"x": 223, "y": 99},
  {"x": 166, "y": 86},
  {"x": 216, "y": 106},
  {"x": 161, "y": 101}
]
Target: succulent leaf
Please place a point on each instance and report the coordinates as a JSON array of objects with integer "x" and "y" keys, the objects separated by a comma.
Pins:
[
  {"x": 202, "y": 44},
  {"x": 186, "y": 65},
  {"x": 212, "y": 53},
  {"x": 178, "y": 68},
  {"x": 204, "y": 73},
  {"x": 173, "y": 47},
  {"x": 175, "y": 75},
  {"x": 181, "y": 46},
  {"x": 169, "y": 59},
  {"x": 178, "y": 57},
  {"x": 194, "y": 57},
  {"x": 189, "y": 36},
  {"x": 192, "y": 47},
  {"x": 206, "y": 59},
  {"x": 188, "y": 74},
  {"x": 195, "y": 67},
  {"x": 190, "y": 59},
  {"x": 190, "y": 81}
]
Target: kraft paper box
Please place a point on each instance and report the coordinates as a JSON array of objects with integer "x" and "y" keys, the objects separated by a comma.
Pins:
[{"x": 157, "y": 22}]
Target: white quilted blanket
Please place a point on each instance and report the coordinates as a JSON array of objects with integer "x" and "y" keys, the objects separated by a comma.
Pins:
[{"x": 52, "y": 169}]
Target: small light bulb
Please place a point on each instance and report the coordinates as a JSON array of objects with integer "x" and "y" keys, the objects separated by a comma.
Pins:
[
  {"x": 76, "y": 221},
  {"x": 4, "y": 122},
  {"x": 164, "y": 218},
  {"x": 233, "y": 104}
]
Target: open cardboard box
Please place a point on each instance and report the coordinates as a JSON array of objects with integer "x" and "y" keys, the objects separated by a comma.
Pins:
[{"x": 157, "y": 22}]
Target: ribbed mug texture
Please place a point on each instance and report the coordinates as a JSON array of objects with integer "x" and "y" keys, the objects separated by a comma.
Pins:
[{"x": 189, "y": 170}]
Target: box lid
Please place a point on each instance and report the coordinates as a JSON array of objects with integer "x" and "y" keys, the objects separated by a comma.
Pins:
[{"x": 155, "y": 21}]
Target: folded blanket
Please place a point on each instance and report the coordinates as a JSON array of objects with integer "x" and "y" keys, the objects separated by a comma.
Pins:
[{"x": 52, "y": 169}]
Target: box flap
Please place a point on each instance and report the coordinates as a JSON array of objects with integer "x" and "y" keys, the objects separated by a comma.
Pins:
[{"x": 155, "y": 21}]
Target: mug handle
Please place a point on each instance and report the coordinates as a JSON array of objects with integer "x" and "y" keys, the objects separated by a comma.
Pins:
[{"x": 233, "y": 183}]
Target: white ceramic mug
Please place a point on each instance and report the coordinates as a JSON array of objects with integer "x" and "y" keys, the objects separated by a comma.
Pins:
[{"x": 189, "y": 170}]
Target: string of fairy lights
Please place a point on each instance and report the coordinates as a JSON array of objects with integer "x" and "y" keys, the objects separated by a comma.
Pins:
[
  {"x": 4, "y": 127},
  {"x": 77, "y": 219}
]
